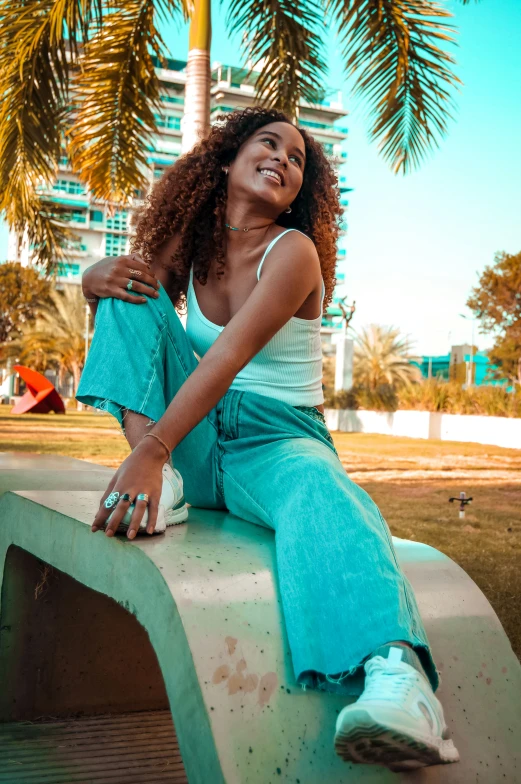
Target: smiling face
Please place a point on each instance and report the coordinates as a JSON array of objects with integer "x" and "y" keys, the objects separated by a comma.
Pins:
[{"x": 269, "y": 167}]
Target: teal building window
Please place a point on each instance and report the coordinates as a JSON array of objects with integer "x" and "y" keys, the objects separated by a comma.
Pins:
[
  {"x": 68, "y": 186},
  {"x": 169, "y": 121},
  {"x": 69, "y": 270},
  {"x": 115, "y": 244},
  {"x": 118, "y": 221}
]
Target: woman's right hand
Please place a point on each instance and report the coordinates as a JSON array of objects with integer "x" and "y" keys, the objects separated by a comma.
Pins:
[{"x": 110, "y": 278}]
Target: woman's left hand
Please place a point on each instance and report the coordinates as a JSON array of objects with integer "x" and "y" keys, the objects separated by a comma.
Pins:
[{"x": 140, "y": 472}]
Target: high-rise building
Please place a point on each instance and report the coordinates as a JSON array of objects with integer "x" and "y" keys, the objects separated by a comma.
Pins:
[{"x": 103, "y": 231}]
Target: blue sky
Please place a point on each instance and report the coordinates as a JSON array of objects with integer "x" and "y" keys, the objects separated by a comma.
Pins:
[{"x": 416, "y": 244}]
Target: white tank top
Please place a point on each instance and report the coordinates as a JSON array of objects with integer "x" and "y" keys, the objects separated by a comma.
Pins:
[{"x": 288, "y": 368}]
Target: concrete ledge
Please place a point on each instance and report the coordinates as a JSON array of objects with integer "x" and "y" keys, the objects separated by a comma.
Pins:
[
  {"x": 497, "y": 431},
  {"x": 206, "y": 597}
]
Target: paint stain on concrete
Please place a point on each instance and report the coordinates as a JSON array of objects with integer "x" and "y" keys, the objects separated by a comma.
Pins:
[
  {"x": 504, "y": 670},
  {"x": 231, "y": 644},
  {"x": 267, "y": 685},
  {"x": 488, "y": 681},
  {"x": 240, "y": 681},
  {"x": 221, "y": 673}
]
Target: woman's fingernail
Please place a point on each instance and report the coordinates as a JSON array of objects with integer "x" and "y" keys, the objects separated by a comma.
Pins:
[{"x": 131, "y": 534}]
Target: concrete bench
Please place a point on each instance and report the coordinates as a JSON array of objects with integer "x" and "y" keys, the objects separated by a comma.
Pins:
[{"x": 103, "y": 642}]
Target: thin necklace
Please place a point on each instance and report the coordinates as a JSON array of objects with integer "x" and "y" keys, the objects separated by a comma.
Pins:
[{"x": 234, "y": 228}]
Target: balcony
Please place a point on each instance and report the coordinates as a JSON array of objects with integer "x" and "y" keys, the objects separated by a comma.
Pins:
[
  {"x": 68, "y": 200},
  {"x": 68, "y": 271},
  {"x": 77, "y": 250}
]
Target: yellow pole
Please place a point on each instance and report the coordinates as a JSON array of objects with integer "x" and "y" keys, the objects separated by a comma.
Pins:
[
  {"x": 196, "y": 120},
  {"x": 201, "y": 26}
]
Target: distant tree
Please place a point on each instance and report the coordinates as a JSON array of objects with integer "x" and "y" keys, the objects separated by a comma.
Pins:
[
  {"x": 22, "y": 291},
  {"x": 57, "y": 337},
  {"x": 383, "y": 358},
  {"x": 496, "y": 302}
]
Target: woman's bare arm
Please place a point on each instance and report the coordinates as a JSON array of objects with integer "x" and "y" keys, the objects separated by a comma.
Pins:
[{"x": 290, "y": 277}]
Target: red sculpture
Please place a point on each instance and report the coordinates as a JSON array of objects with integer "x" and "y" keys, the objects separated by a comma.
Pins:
[{"x": 41, "y": 396}]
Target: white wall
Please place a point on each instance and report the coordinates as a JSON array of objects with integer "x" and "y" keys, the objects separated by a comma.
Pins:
[{"x": 497, "y": 431}]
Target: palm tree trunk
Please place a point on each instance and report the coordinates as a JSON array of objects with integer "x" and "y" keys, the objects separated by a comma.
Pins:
[{"x": 196, "y": 120}]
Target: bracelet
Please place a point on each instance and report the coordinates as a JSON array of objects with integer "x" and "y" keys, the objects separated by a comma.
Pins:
[
  {"x": 95, "y": 299},
  {"x": 153, "y": 435}
]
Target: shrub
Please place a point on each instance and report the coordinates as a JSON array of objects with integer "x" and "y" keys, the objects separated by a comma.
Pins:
[
  {"x": 432, "y": 395},
  {"x": 383, "y": 398}
]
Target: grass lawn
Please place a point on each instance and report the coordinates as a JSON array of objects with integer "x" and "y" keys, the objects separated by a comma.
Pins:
[{"x": 411, "y": 480}]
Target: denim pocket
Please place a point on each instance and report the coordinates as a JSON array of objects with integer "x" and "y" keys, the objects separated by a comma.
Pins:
[{"x": 318, "y": 416}]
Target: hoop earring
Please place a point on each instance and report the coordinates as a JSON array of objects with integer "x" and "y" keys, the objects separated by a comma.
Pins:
[{"x": 288, "y": 210}]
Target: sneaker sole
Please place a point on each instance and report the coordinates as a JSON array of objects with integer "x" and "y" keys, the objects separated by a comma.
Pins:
[
  {"x": 371, "y": 743},
  {"x": 176, "y": 515}
]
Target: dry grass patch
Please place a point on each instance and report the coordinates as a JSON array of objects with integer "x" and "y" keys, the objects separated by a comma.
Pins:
[
  {"x": 84, "y": 435},
  {"x": 486, "y": 544}
]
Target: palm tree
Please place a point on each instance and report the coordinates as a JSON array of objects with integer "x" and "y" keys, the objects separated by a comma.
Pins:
[
  {"x": 57, "y": 337},
  {"x": 383, "y": 358},
  {"x": 85, "y": 70}
]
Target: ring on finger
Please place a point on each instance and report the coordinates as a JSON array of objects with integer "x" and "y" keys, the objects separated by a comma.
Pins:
[
  {"x": 111, "y": 500},
  {"x": 129, "y": 285},
  {"x": 125, "y": 497},
  {"x": 135, "y": 272},
  {"x": 142, "y": 497}
]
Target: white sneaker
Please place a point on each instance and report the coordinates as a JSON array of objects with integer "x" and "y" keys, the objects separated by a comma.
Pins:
[
  {"x": 397, "y": 721},
  {"x": 172, "y": 507}
]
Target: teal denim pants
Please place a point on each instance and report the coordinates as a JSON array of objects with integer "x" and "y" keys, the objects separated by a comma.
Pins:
[{"x": 343, "y": 593}]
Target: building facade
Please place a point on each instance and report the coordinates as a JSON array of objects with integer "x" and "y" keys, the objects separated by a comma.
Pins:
[
  {"x": 464, "y": 364},
  {"x": 105, "y": 232}
]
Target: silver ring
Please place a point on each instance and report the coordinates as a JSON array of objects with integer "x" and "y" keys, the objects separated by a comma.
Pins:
[
  {"x": 125, "y": 497},
  {"x": 129, "y": 285},
  {"x": 135, "y": 272},
  {"x": 142, "y": 497},
  {"x": 111, "y": 500}
]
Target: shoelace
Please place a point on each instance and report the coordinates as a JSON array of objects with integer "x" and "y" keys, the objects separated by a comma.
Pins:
[{"x": 387, "y": 684}]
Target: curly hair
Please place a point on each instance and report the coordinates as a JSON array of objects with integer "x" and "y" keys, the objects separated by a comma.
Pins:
[{"x": 190, "y": 200}]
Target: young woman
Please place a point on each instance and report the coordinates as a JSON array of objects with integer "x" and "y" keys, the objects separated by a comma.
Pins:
[{"x": 244, "y": 229}]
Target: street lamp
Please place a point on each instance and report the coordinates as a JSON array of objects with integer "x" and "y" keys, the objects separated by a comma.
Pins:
[{"x": 471, "y": 362}]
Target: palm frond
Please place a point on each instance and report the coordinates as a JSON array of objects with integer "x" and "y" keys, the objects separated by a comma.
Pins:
[
  {"x": 117, "y": 92},
  {"x": 283, "y": 37},
  {"x": 35, "y": 39},
  {"x": 393, "y": 50}
]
